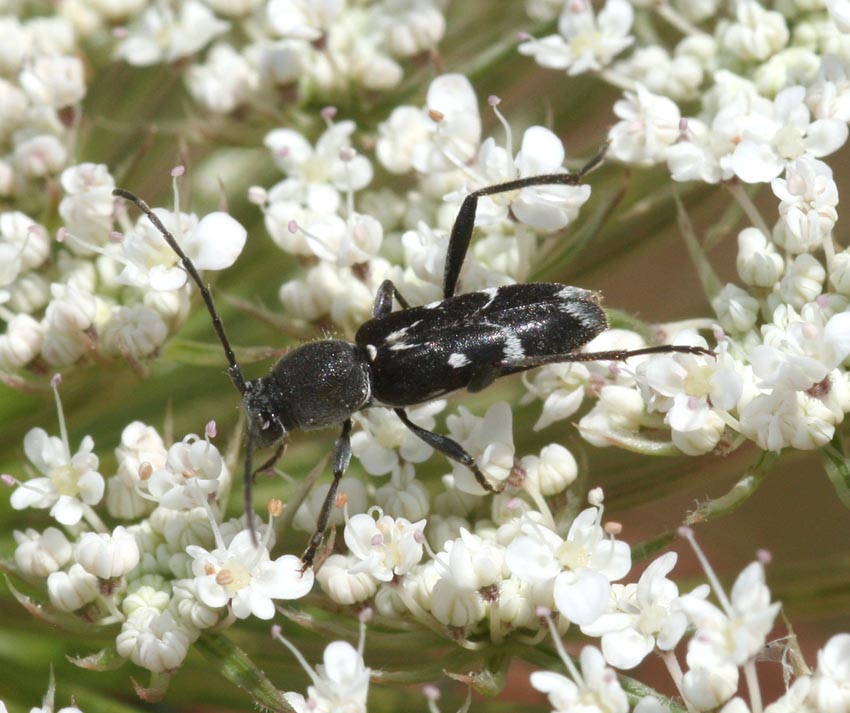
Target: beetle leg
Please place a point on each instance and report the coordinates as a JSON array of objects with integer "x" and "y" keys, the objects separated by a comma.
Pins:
[
  {"x": 341, "y": 459},
  {"x": 451, "y": 449},
  {"x": 384, "y": 299},
  {"x": 465, "y": 220}
]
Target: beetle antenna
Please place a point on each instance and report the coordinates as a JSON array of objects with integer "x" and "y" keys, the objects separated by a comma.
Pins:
[{"x": 233, "y": 368}]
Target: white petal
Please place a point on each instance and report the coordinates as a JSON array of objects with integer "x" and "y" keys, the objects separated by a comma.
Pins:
[
  {"x": 166, "y": 279},
  {"x": 581, "y": 596},
  {"x": 756, "y": 162},
  {"x": 626, "y": 649},
  {"x": 216, "y": 242}
]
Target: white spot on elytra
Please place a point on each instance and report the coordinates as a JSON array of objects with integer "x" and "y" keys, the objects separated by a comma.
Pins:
[
  {"x": 458, "y": 360},
  {"x": 396, "y": 336},
  {"x": 491, "y": 292},
  {"x": 513, "y": 347},
  {"x": 371, "y": 351},
  {"x": 433, "y": 305}
]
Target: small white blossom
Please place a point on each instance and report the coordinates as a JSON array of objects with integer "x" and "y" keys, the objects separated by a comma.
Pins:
[
  {"x": 756, "y": 34},
  {"x": 738, "y": 631},
  {"x": 579, "y": 569},
  {"x": 758, "y": 263},
  {"x": 213, "y": 243},
  {"x": 54, "y": 80},
  {"x": 225, "y": 82},
  {"x": 154, "y": 640},
  {"x": 70, "y": 483},
  {"x": 489, "y": 440},
  {"x": 595, "y": 690},
  {"x": 161, "y": 35},
  {"x": 108, "y": 555},
  {"x": 386, "y": 547},
  {"x": 648, "y": 126},
  {"x": 40, "y": 554},
  {"x": 345, "y": 585},
  {"x": 446, "y": 131},
  {"x": 191, "y": 474},
  {"x": 246, "y": 578},
  {"x": 585, "y": 42},
  {"x": 641, "y": 617},
  {"x": 830, "y": 688},
  {"x": 552, "y": 472},
  {"x": 88, "y": 205},
  {"x": 72, "y": 590}
]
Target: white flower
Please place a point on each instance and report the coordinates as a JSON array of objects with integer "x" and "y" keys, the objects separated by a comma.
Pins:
[
  {"x": 552, "y": 472},
  {"x": 41, "y": 554},
  {"x": 839, "y": 11},
  {"x": 706, "y": 687},
  {"x": 410, "y": 26},
  {"x": 585, "y": 43},
  {"x": 24, "y": 245},
  {"x": 191, "y": 474},
  {"x": 303, "y": 19},
  {"x": 445, "y": 132},
  {"x": 88, "y": 204},
  {"x": 345, "y": 585},
  {"x": 213, "y": 243},
  {"x": 108, "y": 555},
  {"x": 471, "y": 562},
  {"x": 53, "y": 79},
  {"x": 20, "y": 343},
  {"x": 340, "y": 683},
  {"x": 160, "y": 35},
  {"x": 831, "y": 681},
  {"x": 648, "y": 126},
  {"x": 580, "y": 568},
  {"x": 154, "y": 640},
  {"x": 489, "y": 440},
  {"x": 738, "y": 631},
  {"x": 561, "y": 386},
  {"x": 224, "y": 82},
  {"x": 808, "y": 196},
  {"x": 756, "y": 34},
  {"x": 38, "y": 154},
  {"x": 246, "y": 578},
  {"x": 802, "y": 355},
  {"x": 688, "y": 388},
  {"x": 787, "y": 418},
  {"x": 134, "y": 330},
  {"x": 386, "y": 547},
  {"x": 71, "y": 483},
  {"x": 641, "y": 616},
  {"x": 72, "y": 590},
  {"x": 354, "y": 492},
  {"x": 404, "y": 496},
  {"x": 595, "y": 690},
  {"x": 348, "y": 242},
  {"x": 758, "y": 263},
  {"x": 548, "y": 207},
  {"x": 326, "y": 169}
]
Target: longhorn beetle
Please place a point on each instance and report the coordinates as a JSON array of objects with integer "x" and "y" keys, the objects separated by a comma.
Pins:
[{"x": 415, "y": 354}]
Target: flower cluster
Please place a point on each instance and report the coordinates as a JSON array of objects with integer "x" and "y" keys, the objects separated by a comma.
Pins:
[{"x": 172, "y": 569}]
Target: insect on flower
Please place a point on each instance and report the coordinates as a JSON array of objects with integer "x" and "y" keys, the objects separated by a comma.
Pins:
[{"x": 415, "y": 354}]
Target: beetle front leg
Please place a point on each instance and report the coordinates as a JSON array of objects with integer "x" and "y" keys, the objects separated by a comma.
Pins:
[
  {"x": 451, "y": 449},
  {"x": 341, "y": 459}
]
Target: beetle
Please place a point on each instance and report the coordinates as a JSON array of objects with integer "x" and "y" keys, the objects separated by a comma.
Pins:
[{"x": 415, "y": 354}]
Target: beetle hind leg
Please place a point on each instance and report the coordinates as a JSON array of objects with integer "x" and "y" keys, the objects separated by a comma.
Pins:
[{"x": 451, "y": 449}]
